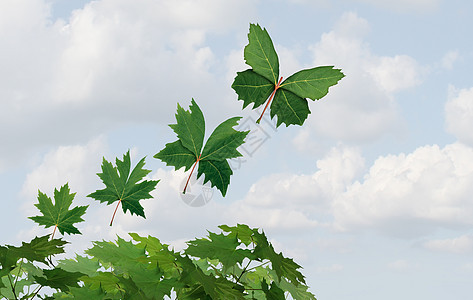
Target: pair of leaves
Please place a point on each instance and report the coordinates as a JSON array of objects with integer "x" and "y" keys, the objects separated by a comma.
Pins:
[
  {"x": 58, "y": 214},
  {"x": 189, "y": 150},
  {"x": 289, "y": 102},
  {"x": 123, "y": 186}
]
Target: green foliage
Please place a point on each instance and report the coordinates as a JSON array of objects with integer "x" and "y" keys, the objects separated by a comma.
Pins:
[
  {"x": 187, "y": 151},
  {"x": 123, "y": 186},
  {"x": 58, "y": 214},
  {"x": 288, "y": 97}
]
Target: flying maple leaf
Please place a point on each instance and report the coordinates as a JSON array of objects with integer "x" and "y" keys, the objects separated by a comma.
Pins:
[
  {"x": 123, "y": 186},
  {"x": 58, "y": 214},
  {"x": 288, "y": 97},
  {"x": 187, "y": 151}
]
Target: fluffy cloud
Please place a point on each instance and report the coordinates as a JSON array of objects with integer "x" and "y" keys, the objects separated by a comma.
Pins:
[
  {"x": 111, "y": 62},
  {"x": 361, "y": 107},
  {"x": 291, "y": 201},
  {"x": 404, "y": 195},
  {"x": 405, "y": 5},
  {"x": 459, "y": 114},
  {"x": 400, "y": 265},
  {"x": 449, "y": 59},
  {"x": 75, "y": 165},
  {"x": 409, "y": 195},
  {"x": 462, "y": 244}
]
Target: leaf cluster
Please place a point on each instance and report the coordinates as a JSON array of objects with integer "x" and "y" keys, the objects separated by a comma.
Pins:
[{"x": 237, "y": 263}]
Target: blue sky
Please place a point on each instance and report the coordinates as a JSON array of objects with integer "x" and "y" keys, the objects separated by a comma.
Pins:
[{"x": 372, "y": 196}]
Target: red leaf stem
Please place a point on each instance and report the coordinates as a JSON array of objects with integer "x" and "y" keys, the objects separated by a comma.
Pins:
[
  {"x": 188, "y": 178},
  {"x": 113, "y": 217},
  {"x": 270, "y": 98}
]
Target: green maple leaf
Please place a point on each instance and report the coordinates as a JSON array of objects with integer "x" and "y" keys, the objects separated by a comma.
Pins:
[
  {"x": 221, "y": 247},
  {"x": 212, "y": 159},
  {"x": 288, "y": 97},
  {"x": 82, "y": 264},
  {"x": 59, "y": 279},
  {"x": 243, "y": 232},
  {"x": 122, "y": 185},
  {"x": 274, "y": 292},
  {"x": 58, "y": 214},
  {"x": 284, "y": 267}
]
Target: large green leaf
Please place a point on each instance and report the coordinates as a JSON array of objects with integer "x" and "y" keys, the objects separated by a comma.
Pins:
[
  {"x": 260, "y": 54},
  {"x": 59, "y": 214},
  {"x": 175, "y": 154},
  {"x": 289, "y": 108},
  {"x": 123, "y": 186},
  {"x": 257, "y": 84},
  {"x": 243, "y": 232},
  {"x": 58, "y": 278},
  {"x": 272, "y": 293},
  {"x": 190, "y": 127},
  {"x": 312, "y": 83},
  {"x": 221, "y": 145},
  {"x": 252, "y": 88},
  {"x": 284, "y": 267},
  {"x": 217, "y": 172},
  {"x": 221, "y": 247},
  {"x": 224, "y": 141},
  {"x": 85, "y": 265}
]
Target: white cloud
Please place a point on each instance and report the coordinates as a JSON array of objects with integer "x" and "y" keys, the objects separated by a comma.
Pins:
[
  {"x": 410, "y": 195},
  {"x": 400, "y": 265},
  {"x": 75, "y": 165},
  {"x": 462, "y": 244},
  {"x": 112, "y": 62},
  {"x": 419, "y": 6},
  {"x": 449, "y": 59},
  {"x": 361, "y": 106},
  {"x": 459, "y": 114},
  {"x": 395, "y": 73},
  {"x": 290, "y": 201},
  {"x": 334, "y": 268}
]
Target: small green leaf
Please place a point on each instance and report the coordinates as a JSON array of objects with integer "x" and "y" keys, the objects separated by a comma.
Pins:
[
  {"x": 81, "y": 264},
  {"x": 175, "y": 154},
  {"x": 284, "y": 267},
  {"x": 221, "y": 247},
  {"x": 59, "y": 214},
  {"x": 243, "y": 232},
  {"x": 223, "y": 141},
  {"x": 252, "y": 88},
  {"x": 59, "y": 279},
  {"x": 289, "y": 108},
  {"x": 273, "y": 293},
  {"x": 260, "y": 54},
  {"x": 217, "y": 172},
  {"x": 123, "y": 186},
  {"x": 190, "y": 127},
  {"x": 312, "y": 83}
]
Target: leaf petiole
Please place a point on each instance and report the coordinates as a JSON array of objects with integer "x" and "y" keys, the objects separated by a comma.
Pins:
[
  {"x": 270, "y": 98},
  {"x": 54, "y": 231},
  {"x": 113, "y": 217},
  {"x": 188, "y": 178}
]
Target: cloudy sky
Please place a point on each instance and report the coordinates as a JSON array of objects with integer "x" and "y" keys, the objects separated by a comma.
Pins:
[{"x": 372, "y": 195}]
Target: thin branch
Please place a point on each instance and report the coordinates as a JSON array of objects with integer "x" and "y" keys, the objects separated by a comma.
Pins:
[{"x": 12, "y": 287}]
